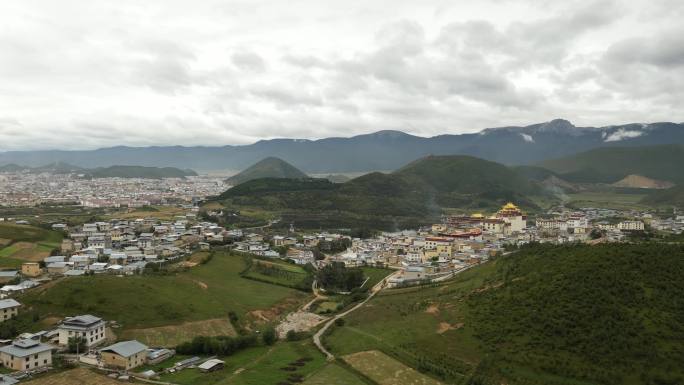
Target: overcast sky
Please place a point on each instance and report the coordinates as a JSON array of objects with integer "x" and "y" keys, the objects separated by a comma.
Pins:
[{"x": 87, "y": 74}]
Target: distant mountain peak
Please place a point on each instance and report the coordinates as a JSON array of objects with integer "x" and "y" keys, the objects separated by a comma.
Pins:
[
  {"x": 387, "y": 134},
  {"x": 557, "y": 125},
  {"x": 269, "y": 167}
]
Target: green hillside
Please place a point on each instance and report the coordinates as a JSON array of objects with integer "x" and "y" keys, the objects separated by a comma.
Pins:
[
  {"x": 669, "y": 197},
  {"x": 408, "y": 197},
  {"x": 566, "y": 315},
  {"x": 270, "y": 167},
  {"x": 140, "y": 172},
  {"x": 208, "y": 291},
  {"x": 609, "y": 165}
]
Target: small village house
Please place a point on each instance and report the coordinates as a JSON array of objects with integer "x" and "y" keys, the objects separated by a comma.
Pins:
[
  {"x": 31, "y": 269},
  {"x": 8, "y": 309},
  {"x": 124, "y": 355},
  {"x": 26, "y": 354},
  {"x": 88, "y": 327}
]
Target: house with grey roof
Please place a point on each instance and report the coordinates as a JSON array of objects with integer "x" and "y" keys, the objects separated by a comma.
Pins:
[
  {"x": 124, "y": 355},
  {"x": 88, "y": 327},
  {"x": 8, "y": 275},
  {"x": 8, "y": 309},
  {"x": 26, "y": 354}
]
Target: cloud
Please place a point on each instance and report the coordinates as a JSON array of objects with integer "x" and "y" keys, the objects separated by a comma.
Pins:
[
  {"x": 84, "y": 74},
  {"x": 621, "y": 134}
]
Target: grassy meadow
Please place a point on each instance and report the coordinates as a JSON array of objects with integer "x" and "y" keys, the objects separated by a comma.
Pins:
[{"x": 205, "y": 292}]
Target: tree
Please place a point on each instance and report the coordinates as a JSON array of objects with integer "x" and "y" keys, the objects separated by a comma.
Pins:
[
  {"x": 77, "y": 344},
  {"x": 269, "y": 336}
]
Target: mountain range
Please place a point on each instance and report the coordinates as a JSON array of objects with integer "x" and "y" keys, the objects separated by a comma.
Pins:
[{"x": 380, "y": 151}]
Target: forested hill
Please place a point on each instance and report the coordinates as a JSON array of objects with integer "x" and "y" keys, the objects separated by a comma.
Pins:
[
  {"x": 270, "y": 167},
  {"x": 609, "y": 165},
  {"x": 413, "y": 195},
  {"x": 673, "y": 196},
  {"x": 609, "y": 314}
]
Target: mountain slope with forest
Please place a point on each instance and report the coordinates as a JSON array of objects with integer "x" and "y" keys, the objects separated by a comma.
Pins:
[
  {"x": 410, "y": 196},
  {"x": 610, "y": 165},
  {"x": 546, "y": 315}
]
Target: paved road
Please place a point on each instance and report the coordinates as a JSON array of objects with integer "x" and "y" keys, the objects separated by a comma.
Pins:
[{"x": 317, "y": 337}]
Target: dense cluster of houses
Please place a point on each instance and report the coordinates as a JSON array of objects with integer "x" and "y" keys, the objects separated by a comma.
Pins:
[{"x": 24, "y": 188}]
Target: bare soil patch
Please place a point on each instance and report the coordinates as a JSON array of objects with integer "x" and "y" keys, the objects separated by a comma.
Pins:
[{"x": 79, "y": 376}]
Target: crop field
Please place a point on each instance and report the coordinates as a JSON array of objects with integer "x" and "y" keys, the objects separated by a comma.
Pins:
[
  {"x": 208, "y": 291},
  {"x": 25, "y": 244},
  {"x": 173, "y": 335},
  {"x": 333, "y": 374},
  {"x": 160, "y": 212},
  {"x": 79, "y": 376},
  {"x": 385, "y": 370}
]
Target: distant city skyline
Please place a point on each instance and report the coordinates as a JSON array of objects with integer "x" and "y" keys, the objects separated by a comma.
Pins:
[{"x": 91, "y": 74}]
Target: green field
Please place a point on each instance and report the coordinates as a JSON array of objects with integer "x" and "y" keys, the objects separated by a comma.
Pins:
[
  {"x": 375, "y": 275},
  {"x": 278, "y": 272},
  {"x": 606, "y": 199},
  {"x": 208, "y": 291},
  {"x": 262, "y": 365}
]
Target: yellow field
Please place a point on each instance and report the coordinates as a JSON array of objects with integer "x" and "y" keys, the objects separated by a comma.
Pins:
[
  {"x": 173, "y": 335},
  {"x": 79, "y": 376},
  {"x": 386, "y": 370}
]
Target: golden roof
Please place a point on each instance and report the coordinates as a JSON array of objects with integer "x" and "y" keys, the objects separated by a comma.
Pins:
[
  {"x": 510, "y": 206},
  {"x": 477, "y": 215}
]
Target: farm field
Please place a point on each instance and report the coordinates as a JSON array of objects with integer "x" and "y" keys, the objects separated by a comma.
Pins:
[
  {"x": 333, "y": 374},
  {"x": 173, "y": 335},
  {"x": 262, "y": 365},
  {"x": 385, "y": 370},
  {"x": 21, "y": 243},
  {"x": 79, "y": 376},
  {"x": 208, "y": 291}
]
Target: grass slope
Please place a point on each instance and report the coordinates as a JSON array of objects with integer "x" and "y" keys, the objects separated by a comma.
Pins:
[
  {"x": 609, "y": 165},
  {"x": 608, "y": 314},
  {"x": 205, "y": 292},
  {"x": 411, "y": 196},
  {"x": 270, "y": 167}
]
